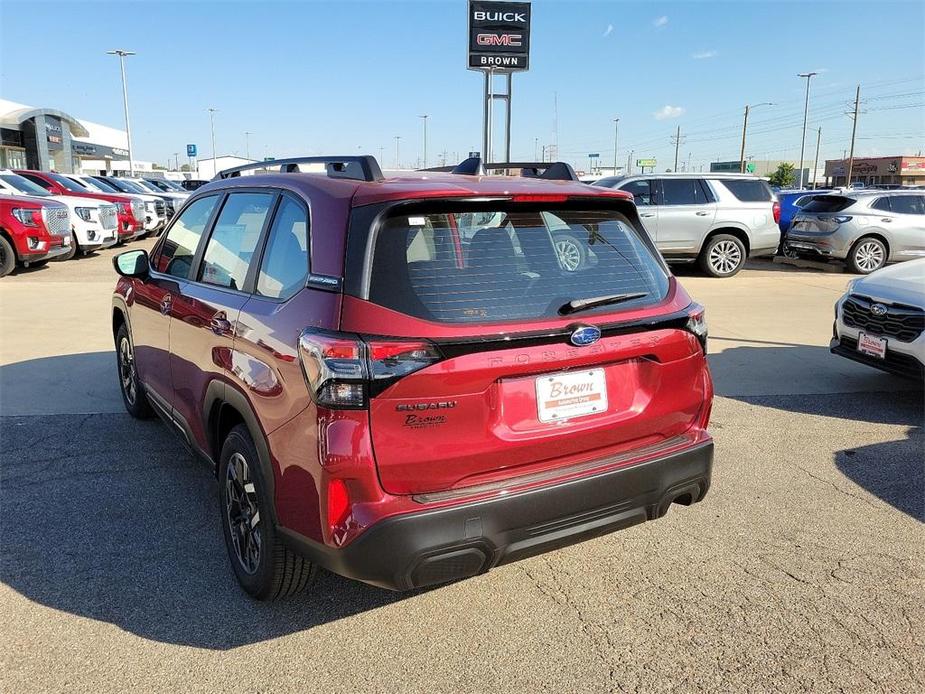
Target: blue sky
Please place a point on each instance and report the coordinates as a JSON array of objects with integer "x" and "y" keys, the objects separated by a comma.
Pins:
[{"x": 344, "y": 77}]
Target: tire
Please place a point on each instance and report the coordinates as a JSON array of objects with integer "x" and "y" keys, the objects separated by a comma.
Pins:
[
  {"x": 35, "y": 263},
  {"x": 572, "y": 253},
  {"x": 7, "y": 257},
  {"x": 722, "y": 256},
  {"x": 133, "y": 395},
  {"x": 72, "y": 251},
  {"x": 867, "y": 255},
  {"x": 263, "y": 565}
]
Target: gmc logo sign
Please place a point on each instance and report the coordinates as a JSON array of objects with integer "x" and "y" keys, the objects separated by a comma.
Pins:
[{"x": 515, "y": 40}]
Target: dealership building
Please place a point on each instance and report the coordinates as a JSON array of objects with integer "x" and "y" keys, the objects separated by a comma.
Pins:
[
  {"x": 873, "y": 171},
  {"x": 48, "y": 139}
]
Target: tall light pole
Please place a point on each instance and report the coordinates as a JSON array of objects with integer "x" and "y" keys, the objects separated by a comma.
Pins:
[
  {"x": 424, "y": 119},
  {"x": 616, "y": 124},
  {"x": 808, "y": 76},
  {"x": 744, "y": 128},
  {"x": 176, "y": 160},
  {"x": 397, "y": 152},
  {"x": 212, "y": 124},
  {"x": 854, "y": 132},
  {"x": 816, "y": 160},
  {"x": 247, "y": 144},
  {"x": 128, "y": 128}
]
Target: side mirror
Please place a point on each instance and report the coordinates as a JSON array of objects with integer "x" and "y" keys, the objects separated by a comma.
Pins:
[{"x": 132, "y": 263}]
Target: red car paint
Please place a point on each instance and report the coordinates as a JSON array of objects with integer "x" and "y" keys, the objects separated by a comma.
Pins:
[
  {"x": 31, "y": 243},
  {"x": 128, "y": 225},
  {"x": 460, "y": 433}
]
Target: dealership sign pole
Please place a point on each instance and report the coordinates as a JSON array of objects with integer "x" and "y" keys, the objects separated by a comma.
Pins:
[{"x": 499, "y": 43}]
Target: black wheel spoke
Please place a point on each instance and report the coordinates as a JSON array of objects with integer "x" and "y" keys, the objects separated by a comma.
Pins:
[{"x": 242, "y": 513}]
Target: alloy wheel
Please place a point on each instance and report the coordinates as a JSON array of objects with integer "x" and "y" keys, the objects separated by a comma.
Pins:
[
  {"x": 242, "y": 513},
  {"x": 869, "y": 256},
  {"x": 725, "y": 257},
  {"x": 127, "y": 371},
  {"x": 569, "y": 255}
]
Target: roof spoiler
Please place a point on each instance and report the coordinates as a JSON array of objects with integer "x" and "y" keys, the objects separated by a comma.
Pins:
[
  {"x": 548, "y": 170},
  {"x": 356, "y": 168}
]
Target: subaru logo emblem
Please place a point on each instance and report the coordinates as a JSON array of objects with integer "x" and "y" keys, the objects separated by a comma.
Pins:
[
  {"x": 585, "y": 335},
  {"x": 878, "y": 310}
]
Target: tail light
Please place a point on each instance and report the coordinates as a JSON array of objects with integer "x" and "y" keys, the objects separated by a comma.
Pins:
[
  {"x": 697, "y": 324},
  {"x": 775, "y": 210},
  {"x": 343, "y": 370}
]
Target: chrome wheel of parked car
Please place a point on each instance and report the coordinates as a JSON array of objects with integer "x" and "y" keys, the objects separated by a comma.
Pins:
[
  {"x": 724, "y": 257},
  {"x": 569, "y": 254},
  {"x": 868, "y": 255},
  {"x": 127, "y": 371},
  {"x": 242, "y": 513}
]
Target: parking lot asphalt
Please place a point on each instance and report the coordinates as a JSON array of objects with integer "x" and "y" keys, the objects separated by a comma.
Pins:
[{"x": 802, "y": 570}]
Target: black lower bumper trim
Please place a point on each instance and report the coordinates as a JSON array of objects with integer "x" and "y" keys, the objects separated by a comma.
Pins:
[
  {"x": 419, "y": 549},
  {"x": 895, "y": 362}
]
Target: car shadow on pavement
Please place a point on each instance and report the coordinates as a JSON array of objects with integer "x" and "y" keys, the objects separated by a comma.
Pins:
[
  {"x": 893, "y": 471},
  {"x": 110, "y": 518}
]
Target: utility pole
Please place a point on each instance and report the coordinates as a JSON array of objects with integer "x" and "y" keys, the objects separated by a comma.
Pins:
[
  {"x": 247, "y": 144},
  {"x": 854, "y": 131},
  {"x": 677, "y": 147},
  {"x": 212, "y": 123},
  {"x": 808, "y": 76},
  {"x": 816, "y": 160},
  {"x": 424, "y": 119},
  {"x": 616, "y": 125},
  {"x": 544, "y": 153},
  {"x": 536, "y": 147},
  {"x": 744, "y": 128},
  {"x": 128, "y": 128},
  {"x": 397, "y": 152},
  {"x": 629, "y": 163},
  {"x": 381, "y": 152},
  {"x": 176, "y": 161}
]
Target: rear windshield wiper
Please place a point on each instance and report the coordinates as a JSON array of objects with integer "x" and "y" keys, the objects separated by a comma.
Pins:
[{"x": 577, "y": 305}]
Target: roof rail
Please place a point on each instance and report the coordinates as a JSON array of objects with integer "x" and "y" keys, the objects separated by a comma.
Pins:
[
  {"x": 549, "y": 170},
  {"x": 356, "y": 168}
]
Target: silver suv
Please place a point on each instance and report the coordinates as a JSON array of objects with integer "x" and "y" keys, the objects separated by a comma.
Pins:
[
  {"x": 865, "y": 229},
  {"x": 718, "y": 220}
]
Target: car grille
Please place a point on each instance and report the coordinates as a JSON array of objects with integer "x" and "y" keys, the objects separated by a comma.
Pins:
[
  {"x": 57, "y": 220},
  {"x": 160, "y": 208},
  {"x": 109, "y": 217},
  {"x": 138, "y": 210},
  {"x": 903, "y": 323}
]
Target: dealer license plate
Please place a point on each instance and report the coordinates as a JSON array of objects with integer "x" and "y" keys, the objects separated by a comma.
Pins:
[
  {"x": 572, "y": 394},
  {"x": 872, "y": 346}
]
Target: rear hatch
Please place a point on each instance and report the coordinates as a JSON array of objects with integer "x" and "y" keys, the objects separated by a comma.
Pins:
[
  {"x": 821, "y": 215},
  {"x": 536, "y": 335}
]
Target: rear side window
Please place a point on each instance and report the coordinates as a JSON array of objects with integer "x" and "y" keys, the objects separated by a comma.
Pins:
[
  {"x": 234, "y": 238},
  {"x": 748, "y": 190},
  {"x": 683, "y": 191},
  {"x": 828, "y": 203},
  {"x": 179, "y": 247},
  {"x": 882, "y": 204},
  {"x": 510, "y": 264},
  {"x": 907, "y": 204},
  {"x": 285, "y": 260},
  {"x": 641, "y": 192}
]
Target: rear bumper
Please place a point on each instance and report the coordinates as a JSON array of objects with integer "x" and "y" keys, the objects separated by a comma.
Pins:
[{"x": 446, "y": 544}]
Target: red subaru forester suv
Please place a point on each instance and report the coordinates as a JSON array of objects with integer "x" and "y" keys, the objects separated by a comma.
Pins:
[{"x": 410, "y": 380}]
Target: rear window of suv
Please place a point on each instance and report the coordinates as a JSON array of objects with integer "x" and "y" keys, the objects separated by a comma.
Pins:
[
  {"x": 510, "y": 263},
  {"x": 828, "y": 203},
  {"x": 747, "y": 190}
]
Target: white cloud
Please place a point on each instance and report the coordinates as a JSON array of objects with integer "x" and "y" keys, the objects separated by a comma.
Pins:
[
  {"x": 609, "y": 30},
  {"x": 660, "y": 22},
  {"x": 666, "y": 112},
  {"x": 703, "y": 55}
]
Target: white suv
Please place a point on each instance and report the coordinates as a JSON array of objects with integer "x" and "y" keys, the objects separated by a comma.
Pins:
[
  {"x": 94, "y": 223},
  {"x": 718, "y": 220}
]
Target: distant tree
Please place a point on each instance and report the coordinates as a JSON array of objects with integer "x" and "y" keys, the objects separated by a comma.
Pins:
[
  {"x": 158, "y": 167},
  {"x": 783, "y": 177},
  {"x": 185, "y": 167}
]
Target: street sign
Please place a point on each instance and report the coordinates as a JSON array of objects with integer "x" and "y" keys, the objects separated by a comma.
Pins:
[
  {"x": 750, "y": 167},
  {"x": 593, "y": 156},
  {"x": 269, "y": 158},
  {"x": 474, "y": 154},
  {"x": 645, "y": 162},
  {"x": 191, "y": 150},
  {"x": 499, "y": 36}
]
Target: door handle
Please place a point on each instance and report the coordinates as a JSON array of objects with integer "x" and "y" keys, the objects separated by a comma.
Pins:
[
  {"x": 647, "y": 214},
  {"x": 220, "y": 323},
  {"x": 886, "y": 219},
  {"x": 165, "y": 304},
  {"x": 702, "y": 213}
]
